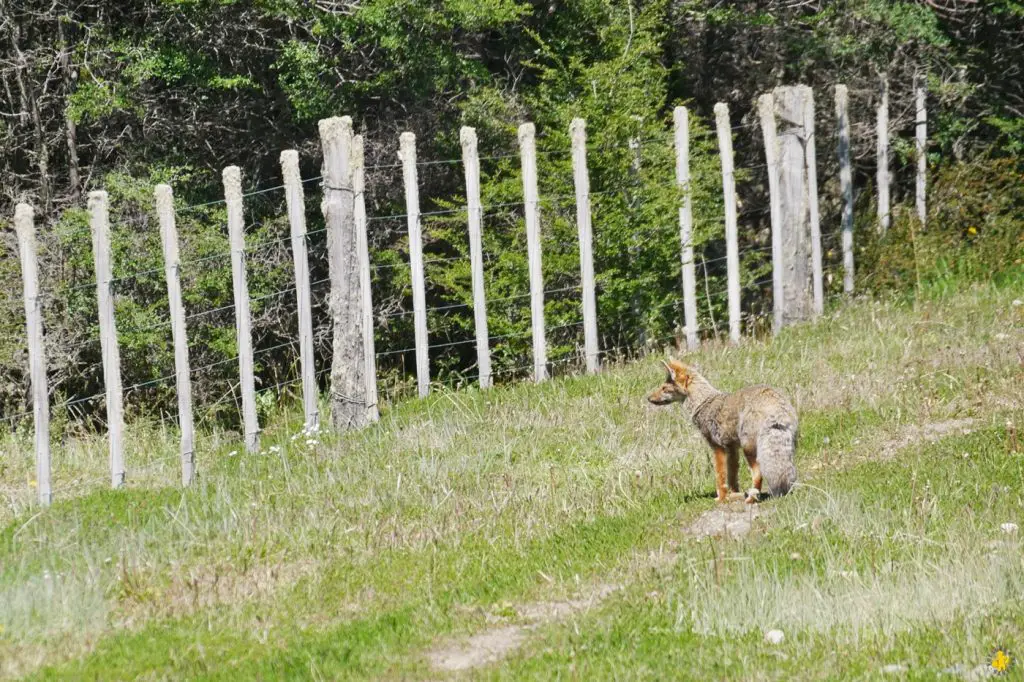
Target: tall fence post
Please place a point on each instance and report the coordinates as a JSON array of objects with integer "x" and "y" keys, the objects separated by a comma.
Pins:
[
  {"x": 410, "y": 177},
  {"x": 351, "y": 407},
  {"x": 25, "y": 227},
  {"x": 296, "y": 201},
  {"x": 99, "y": 222},
  {"x": 845, "y": 183},
  {"x": 232, "y": 177},
  {"x": 182, "y": 373},
  {"x": 531, "y": 205},
  {"x": 365, "y": 284},
  {"x": 471, "y": 166},
  {"x": 811, "y": 160},
  {"x": 732, "y": 254},
  {"x": 766, "y": 111},
  {"x": 681, "y": 119},
  {"x": 882, "y": 150},
  {"x": 581, "y": 182},
  {"x": 797, "y": 299},
  {"x": 922, "y": 155}
]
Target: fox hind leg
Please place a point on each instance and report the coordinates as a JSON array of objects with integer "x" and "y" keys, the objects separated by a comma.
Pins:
[
  {"x": 755, "y": 472},
  {"x": 734, "y": 470}
]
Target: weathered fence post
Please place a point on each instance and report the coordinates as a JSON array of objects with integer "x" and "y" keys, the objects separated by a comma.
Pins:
[
  {"x": 732, "y": 254},
  {"x": 182, "y": 373},
  {"x": 581, "y": 182},
  {"x": 296, "y": 201},
  {"x": 766, "y": 111},
  {"x": 797, "y": 289},
  {"x": 407, "y": 152},
  {"x": 471, "y": 165},
  {"x": 681, "y": 119},
  {"x": 883, "y": 157},
  {"x": 99, "y": 222},
  {"x": 24, "y": 225},
  {"x": 365, "y": 285},
  {"x": 351, "y": 407},
  {"x": 811, "y": 161},
  {"x": 845, "y": 183},
  {"x": 922, "y": 155},
  {"x": 531, "y": 205},
  {"x": 232, "y": 177}
]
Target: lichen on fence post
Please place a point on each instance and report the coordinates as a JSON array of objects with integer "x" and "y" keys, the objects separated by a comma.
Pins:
[
  {"x": 296, "y": 201},
  {"x": 474, "y": 217},
  {"x": 681, "y": 119},
  {"x": 845, "y": 183},
  {"x": 410, "y": 178},
  {"x": 531, "y": 207},
  {"x": 179, "y": 336},
  {"x": 365, "y": 285},
  {"x": 232, "y": 177},
  {"x": 351, "y": 407},
  {"x": 99, "y": 222},
  {"x": 25, "y": 227},
  {"x": 732, "y": 257},
  {"x": 581, "y": 182}
]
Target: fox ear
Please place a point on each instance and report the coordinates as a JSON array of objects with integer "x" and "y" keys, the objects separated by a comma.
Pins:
[{"x": 670, "y": 372}]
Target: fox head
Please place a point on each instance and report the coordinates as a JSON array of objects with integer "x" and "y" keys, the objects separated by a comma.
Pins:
[{"x": 677, "y": 384}]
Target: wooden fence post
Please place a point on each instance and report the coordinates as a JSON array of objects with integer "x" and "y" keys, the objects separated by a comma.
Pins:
[
  {"x": 797, "y": 300},
  {"x": 811, "y": 161},
  {"x": 531, "y": 205},
  {"x": 732, "y": 254},
  {"x": 296, "y": 201},
  {"x": 232, "y": 177},
  {"x": 845, "y": 184},
  {"x": 99, "y": 222},
  {"x": 766, "y": 111},
  {"x": 922, "y": 155},
  {"x": 581, "y": 181},
  {"x": 681, "y": 119},
  {"x": 410, "y": 177},
  {"x": 471, "y": 166},
  {"x": 351, "y": 407},
  {"x": 182, "y": 372},
  {"x": 365, "y": 284},
  {"x": 24, "y": 225},
  {"x": 883, "y": 157}
]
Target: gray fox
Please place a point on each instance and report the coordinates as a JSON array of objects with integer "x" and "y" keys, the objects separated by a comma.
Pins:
[{"x": 757, "y": 419}]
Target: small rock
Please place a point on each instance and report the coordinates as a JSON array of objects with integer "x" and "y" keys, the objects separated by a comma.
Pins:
[
  {"x": 1001, "y": 336},
  {"x": 1009, "y": 527},
  {"x": 774, "y": 636},
  {"x": 1017, "y": 303},
  {"x": 894, "y": 668},
  {"x": 795, "y": 556},
  {"x": 826, "y": 440}
]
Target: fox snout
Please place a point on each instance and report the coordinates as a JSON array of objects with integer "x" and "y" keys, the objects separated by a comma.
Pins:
[{"x": 664, "y": 394}]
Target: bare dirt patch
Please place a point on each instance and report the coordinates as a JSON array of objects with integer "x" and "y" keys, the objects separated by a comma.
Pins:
[
  {"x": 496, "y": 643},
  {"x": 735, "y": 519},
  {"x": 926, "y": 433}
]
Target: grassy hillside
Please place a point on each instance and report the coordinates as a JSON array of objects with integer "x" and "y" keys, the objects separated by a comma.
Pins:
[{"x": 561, "y": 530}]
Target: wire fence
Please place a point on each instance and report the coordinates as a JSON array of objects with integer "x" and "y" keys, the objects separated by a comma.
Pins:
[{"x": 635, "y": 197}]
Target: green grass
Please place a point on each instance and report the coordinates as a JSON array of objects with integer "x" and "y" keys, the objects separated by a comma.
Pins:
[{"x": 360, "y": 556}]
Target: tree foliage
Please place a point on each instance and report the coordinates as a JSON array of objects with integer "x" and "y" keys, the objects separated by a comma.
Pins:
[{"x": 123, "y": 95}]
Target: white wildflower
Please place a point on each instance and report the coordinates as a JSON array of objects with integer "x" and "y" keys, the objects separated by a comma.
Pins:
[{"x": 774, "y": 636}]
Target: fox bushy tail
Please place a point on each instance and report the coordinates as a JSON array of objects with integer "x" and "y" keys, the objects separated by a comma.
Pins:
[{"x": 776, "y": 445}]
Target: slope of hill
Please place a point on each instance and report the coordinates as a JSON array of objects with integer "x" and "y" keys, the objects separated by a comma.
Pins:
[{"x": 566, "y": 529}]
